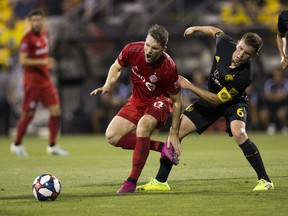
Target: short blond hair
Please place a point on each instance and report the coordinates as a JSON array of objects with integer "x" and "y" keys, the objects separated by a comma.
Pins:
[{"x": 253, "y": 40}]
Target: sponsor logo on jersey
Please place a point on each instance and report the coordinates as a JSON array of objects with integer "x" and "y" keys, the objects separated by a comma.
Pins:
[
  {"x": 150, "y": 86},
  {"x": 42, "y": 51},
  {"x": 216, "y": 74},
  {"x": 233, "y": 92},
  {"x": 135, "y": 69}
]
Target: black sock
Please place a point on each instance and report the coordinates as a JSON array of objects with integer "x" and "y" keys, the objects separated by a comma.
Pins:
[
  {"x": 252, "y": 154},
  {"x": 164, "y": 170},
  {"x": 52, "y": 144},
  {"x": 132, "y": 180},
  {"x": 160, "y": 146}
]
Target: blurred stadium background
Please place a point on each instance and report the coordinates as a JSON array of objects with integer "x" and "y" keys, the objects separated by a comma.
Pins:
[{"x": 86, "y": 36}]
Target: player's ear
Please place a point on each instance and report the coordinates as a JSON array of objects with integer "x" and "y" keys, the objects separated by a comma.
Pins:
[
  {"x": 164, "y": 48},
  {"x": 254, "y": 55}
]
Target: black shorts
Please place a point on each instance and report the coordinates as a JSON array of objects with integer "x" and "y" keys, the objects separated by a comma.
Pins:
[{"x": 204, "y": 114}]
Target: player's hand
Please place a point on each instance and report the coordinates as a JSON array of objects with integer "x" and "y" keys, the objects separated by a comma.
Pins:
[
  {"x": 189, "y": 31},
  {"x": 175, "y": 142},
  {"x": 101, "y": 90},
  {"x": 185, "y": 83},
  {"x": 284, "y": 62}
]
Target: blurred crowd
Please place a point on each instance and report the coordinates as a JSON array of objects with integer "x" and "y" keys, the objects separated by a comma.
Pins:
[{"x": 86, "y": 36}]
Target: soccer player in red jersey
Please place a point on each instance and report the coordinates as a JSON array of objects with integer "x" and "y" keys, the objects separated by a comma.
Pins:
[
  {"x": 37, "y": 84},
  {"x": 156, "y": 89}
]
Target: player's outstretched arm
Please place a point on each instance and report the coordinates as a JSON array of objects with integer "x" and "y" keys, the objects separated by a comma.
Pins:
[
  {"x": 207, "y": 30},
  {"x": 202, "y": 93},
  {"x": 113, "y": 75}
]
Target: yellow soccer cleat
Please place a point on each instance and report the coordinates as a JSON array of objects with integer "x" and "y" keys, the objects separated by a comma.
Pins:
[
  {"x": 264, "y": 185},
  {"x": 154, "y": 185}
]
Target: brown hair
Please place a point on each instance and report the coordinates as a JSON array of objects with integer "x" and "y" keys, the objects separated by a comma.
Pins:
[
  {"x": 159, "y": 33},
  {"x": 35, "y": 12},
  {"x": 253, "y": 40}
]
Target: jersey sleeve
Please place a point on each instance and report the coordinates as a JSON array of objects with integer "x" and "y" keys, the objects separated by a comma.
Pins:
[
  {"x": 221, "y": 36},
  {"x": 174, "y": 87},
  {"x": 24, "y": 45},
  {"x": 123, "y": 57},
  {"x": 282, "y": 24}
]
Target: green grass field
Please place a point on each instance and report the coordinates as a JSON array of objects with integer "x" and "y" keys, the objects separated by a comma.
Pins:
[{"x": 213, "y": 178}]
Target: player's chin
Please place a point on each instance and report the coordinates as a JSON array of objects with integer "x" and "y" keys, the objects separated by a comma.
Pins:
[{"x": 148, "y": 59}]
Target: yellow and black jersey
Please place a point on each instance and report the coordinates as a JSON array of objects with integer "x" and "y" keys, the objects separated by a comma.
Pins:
[{"x": 228, "y": 83}]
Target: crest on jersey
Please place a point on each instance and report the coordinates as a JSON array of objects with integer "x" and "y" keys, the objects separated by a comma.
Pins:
[
  {"x": 228, "y": 78},
  {"x": 153, "y": 78},
  {"x": 38, "y": 43},
  {"x": 217, "y": 58}
]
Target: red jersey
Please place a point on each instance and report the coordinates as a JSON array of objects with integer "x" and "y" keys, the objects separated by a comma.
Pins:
[
  {"x": 36, "y": 47},
  {"x": 149, "y": 80}
]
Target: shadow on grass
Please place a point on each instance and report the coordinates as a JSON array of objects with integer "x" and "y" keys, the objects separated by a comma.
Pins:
[{"x": 180, "y": 187}]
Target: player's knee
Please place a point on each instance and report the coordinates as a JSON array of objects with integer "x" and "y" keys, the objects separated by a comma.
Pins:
[
  {"x": 240, "y": 135},
  {"x": 144, "y": 129},
  {"x": 55, "y": 114},
  {"x": 111, "y": 137},
  {"x": 54, "y": 110}
]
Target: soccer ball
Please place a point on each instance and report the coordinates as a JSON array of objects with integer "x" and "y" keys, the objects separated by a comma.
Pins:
[{"x": 45, "y": 187}]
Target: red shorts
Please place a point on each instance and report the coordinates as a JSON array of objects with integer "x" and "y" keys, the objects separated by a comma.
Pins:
[
  {"x": 48, "y": 97},
  {"x": 160, "y": 110}
]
